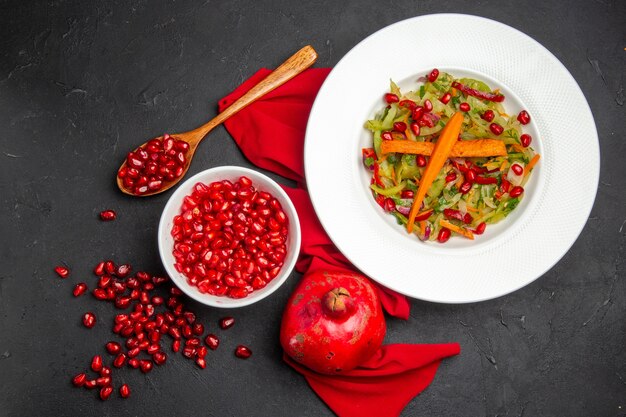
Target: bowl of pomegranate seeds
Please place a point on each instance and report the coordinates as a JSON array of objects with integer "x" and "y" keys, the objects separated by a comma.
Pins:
[{"x": 229, "y": 236}]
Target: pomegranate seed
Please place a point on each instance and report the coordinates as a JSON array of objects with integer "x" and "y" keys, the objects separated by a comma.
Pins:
[
  {"x": 176, "y": 345},
  {"x": 133, "y": 363},
  {"x": 226, "y": 323},
  {"x": 399, "y": 126},
  {"x": 243, "y": 352},
  {"x": 480, "y": 229},
  {"x": 212, "y": 341},
  {"x": 389, "y": 204},
  {"x": 488, "y": 115},
  {"x": 409, "y": 104},
  {"x": 145, "y": 365},
  {"x": 420, "y": 160},
  {"x": 119, "y": 360},
  {"x": 523, "y": 117},
  {"x": 391, "y": 98},
  {"x": 517, "y": 169},
  {"x": 465, "y": 187},
  {"x": 386, "y": 136},
  {"x": 516, "y": 191},
  {"x": 434, "y": 74},
  {"x": 525, "y": 140},
  {"x": 79, "y": 289},
  {"x": 62, "y": 271},
  {"x": 201, "y": 363},
  {"x": 124, "y": 391},
  {"x": 415, "y": 128},
  {"x": 464, "y": 107},
  {"x": 105, "y": 371},
  {"x": 417, "y": 113},
  {"x": 105, "y": 392},
  {"x": 96, "y": 363},
  {"x": 89, "y": 320},
  {"x": 451, "y": 177},
  {"x": 470, "y": 176},
  {"x": 113, "y": 348},
  {"x": 445, "y": 99},
  {"x": 79, "y": 380},
  {"x": 123, "y": 270},
  {"x": 407, "y": 194},
  {"x": 108, "y": 215},
  {"x": 496, "y": 129},
  {"x": 160, "y": 357},
  {"x": 428, "y": 106},
  {"x": 90, "y": 384},
  {"x": 444, "y": 235},
  {"x": 99, "y": 269}
]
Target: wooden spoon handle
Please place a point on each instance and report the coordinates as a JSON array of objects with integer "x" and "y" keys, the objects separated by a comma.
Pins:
[{"x": 293, "y": 66}]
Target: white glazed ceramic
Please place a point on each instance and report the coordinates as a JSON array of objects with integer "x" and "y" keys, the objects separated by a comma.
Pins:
[
  {"x": 172, "y": 208},
  {"x": 511, "y": 254}
]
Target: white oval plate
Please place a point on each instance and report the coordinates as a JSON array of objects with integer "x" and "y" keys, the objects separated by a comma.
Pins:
[{"x": 511, "y": 254}]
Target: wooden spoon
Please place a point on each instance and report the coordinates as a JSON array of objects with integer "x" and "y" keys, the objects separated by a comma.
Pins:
[{"x": 293, "y": 66}]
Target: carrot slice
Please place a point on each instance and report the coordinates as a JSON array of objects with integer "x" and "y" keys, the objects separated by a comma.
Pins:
[
  {"x": 461, "y": 149},
  {"x": 446, "y": 141},
  {"x": 532, "y": 163},
  {"x": 468, "y": 234}
]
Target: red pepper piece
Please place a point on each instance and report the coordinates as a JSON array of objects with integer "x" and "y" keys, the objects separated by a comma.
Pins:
[
  {"x": 498, "y": 98},
  {"x": 485, "y": 180},
  {"x": 377, "y": 175}
]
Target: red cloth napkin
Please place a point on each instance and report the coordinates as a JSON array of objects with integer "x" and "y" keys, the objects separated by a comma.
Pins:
[{"x": 270, "y": 133}]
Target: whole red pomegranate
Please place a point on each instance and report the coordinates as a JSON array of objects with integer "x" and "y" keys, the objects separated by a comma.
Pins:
[{"x": 333, "y": 322}]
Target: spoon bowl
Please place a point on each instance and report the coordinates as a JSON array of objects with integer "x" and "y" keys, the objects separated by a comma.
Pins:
[{"x": 293, "y": 66}]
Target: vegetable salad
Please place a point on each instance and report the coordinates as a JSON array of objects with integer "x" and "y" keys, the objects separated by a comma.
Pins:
[{"x": 484, "y": 174}]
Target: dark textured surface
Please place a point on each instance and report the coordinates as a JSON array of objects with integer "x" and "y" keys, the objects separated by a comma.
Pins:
[{"x": 81, "y": 83}]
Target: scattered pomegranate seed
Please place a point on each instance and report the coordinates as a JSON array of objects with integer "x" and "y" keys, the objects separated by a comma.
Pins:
[
  {"x": 108, "y": 215},
  {"x": 62, "y": 271},
  {"x": 105, "y": 392},
  {"x": 243, "y": 352},
  {"x": 464, "y": 107},
  {"x": 445, "y": 99},
  {"x": 428, "y": 106},
  {"x": 79, "y": 289},
  {"x": 226, "y": 323},
  {"x": 212, "y": 341},
  {"x": 523, "y": 117},
  {"x": 119, "y": 360},
  {"x": 470, "y": 176},
  {"x": 488, "y": 115},
  {"x": 201, "y": 363},
  {"x": 105, "y": 371},
  {"x": 79, "y": 380},
  {"x": 399, "y": 126},
  {"x": 409, "y": 104},
  {"x": 434, "y": 74},
  {"x": 517, "y": 169},
  {"x": 525, "y": 140},
  {"x": 124, "y": 391},
  {"x": 417, "y": 113},
  {"x": 96, "y": 363},
  {"x": 496, "y": 129},
  {"x": 420, "y": 160},
  {"x": 516, "y": 191},
  {"x": 145, "y": 365},
  {"x": 90, "y": 384},
  {"x": 386, "y": 136},
  {"x": 113, "y": 348},
  {"x": 391, "y": 98},
  {"x": 89, "y": 320}
]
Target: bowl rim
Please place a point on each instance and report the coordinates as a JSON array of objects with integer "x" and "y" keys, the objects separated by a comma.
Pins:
[{"x": 176, "y": 199}]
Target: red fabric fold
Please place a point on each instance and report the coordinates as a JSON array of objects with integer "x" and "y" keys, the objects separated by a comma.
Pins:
[
  {"x": 270, "y": 133},
  {"x": 383, "y": 385}
]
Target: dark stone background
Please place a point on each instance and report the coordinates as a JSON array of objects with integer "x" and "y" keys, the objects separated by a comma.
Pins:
[{"x": 83, "y": 82}]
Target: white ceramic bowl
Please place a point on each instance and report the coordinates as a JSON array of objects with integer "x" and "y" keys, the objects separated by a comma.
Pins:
[{"x": 172, "y": 208}]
